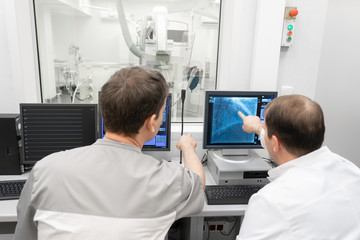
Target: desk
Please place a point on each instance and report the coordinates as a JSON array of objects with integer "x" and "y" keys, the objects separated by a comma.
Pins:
[
  {"x": 8, "y": 211},
  {"x": 8, "y": 207}
]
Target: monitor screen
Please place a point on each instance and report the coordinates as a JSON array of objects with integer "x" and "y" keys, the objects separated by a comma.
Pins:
[
  {"x": 222, "y": 124},
  {"x": 49, "y": 128},
  {"x": 161, "y": 142}
]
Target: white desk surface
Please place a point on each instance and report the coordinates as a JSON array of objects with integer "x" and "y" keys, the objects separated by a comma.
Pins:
[
  {"x": 8, "y": 207},
  {"x": 8, "y": 210}
]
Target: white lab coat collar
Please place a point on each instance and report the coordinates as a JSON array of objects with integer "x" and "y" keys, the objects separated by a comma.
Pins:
[{"x": 301, "y": 161}]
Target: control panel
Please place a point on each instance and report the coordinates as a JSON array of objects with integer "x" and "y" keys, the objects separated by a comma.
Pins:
[{"x": 289, "y": 28}]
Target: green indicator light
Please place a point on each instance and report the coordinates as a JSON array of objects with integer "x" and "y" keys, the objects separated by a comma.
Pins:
[
  {"x": 289, "y": 39},
  {"x": 290, "y": 27}
]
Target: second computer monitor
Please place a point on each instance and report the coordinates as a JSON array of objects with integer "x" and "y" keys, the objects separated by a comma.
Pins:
[
  {"x": 48, "y": 128},
  {"x": 222, "y": 124},
  {"x": 161, "y": 142}
]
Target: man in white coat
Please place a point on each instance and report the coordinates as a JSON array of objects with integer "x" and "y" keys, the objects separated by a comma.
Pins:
[{"x": 313, "y": 193}]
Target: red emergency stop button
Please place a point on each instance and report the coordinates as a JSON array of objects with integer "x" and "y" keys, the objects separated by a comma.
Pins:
[{"x": 293, "y": 12}]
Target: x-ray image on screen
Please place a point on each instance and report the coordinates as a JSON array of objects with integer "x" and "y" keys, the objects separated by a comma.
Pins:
[
  {"x": 223, "y": 125},
  {"x": 226, "y": 123}
]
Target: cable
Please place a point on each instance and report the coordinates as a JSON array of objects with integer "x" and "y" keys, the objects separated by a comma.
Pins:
[
  {"x": 228, "y": 234},
  {"x": 204, "y": 157},
  {"x": 208, "y": 228},
  {"x": 88, "y": 97},
  {"x": 77, "y": 88},
  {"x": 183, "y": 95},
  {"x": 228, "y": 219},
  {"x": 270, "y": 161}
]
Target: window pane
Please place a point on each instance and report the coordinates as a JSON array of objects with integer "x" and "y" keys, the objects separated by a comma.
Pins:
[{"x": 82, "y": 43}]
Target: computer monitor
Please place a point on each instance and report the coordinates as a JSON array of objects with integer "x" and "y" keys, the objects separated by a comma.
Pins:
[
  {"x": 161, "y": 142},
  {"x": 48, "y": 128},
  {"x": 222, "y": 124}
]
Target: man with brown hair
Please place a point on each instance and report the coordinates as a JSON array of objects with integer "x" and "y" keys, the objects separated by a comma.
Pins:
[
  {"x": 313, "y": 193},
  {"x": 111, "y": 190}
]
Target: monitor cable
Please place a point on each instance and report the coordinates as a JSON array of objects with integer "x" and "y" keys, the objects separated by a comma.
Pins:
[
  {"x": 271, "y": 162},
  {"x": 204, "y": 157},
  {"x": 183, "y": 95}
]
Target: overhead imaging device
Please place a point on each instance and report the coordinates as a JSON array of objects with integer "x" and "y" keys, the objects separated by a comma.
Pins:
[{"x": 156, "y": 50}]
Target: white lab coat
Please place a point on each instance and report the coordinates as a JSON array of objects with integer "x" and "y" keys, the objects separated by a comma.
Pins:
[{"x": 316, "y": 196}]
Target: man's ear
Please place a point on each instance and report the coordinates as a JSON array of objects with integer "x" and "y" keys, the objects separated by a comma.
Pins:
[
  {"x": 150, "y": 123},
  {"x": 276, "y": 144}
]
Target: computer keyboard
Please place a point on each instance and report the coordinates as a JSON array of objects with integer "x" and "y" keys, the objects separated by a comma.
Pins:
[
  {"x": 11, "y": 189},
  {"x": 230, "y": 194}
]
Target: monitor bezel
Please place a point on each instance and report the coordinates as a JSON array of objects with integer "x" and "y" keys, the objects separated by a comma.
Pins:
[
  {"x": 206, "y": 126},
  {"x": 22, "y": 105},
  {"x": 147, "y": 148}
]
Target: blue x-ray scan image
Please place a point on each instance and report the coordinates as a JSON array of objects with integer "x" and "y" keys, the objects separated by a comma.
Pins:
[{"x": 226, "y": 123}]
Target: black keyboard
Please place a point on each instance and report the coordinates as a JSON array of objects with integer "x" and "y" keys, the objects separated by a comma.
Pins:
[
  {"x": 11, "y": 189},
  {"x": 230, "y": 194}
]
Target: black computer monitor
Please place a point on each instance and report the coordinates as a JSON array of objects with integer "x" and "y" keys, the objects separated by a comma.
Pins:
[
  {"x": 222, "y": 124},
  {"x": 161, "y": 142},
  {"x": 49, "y": 128}
]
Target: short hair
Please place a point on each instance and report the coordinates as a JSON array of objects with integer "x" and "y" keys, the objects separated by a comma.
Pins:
[
  {"x": 130, "y": 96},
  {"x": 298, "y": 123}
]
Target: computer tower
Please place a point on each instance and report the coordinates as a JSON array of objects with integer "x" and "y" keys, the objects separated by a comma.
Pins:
[{"x": 9, "y": 145}]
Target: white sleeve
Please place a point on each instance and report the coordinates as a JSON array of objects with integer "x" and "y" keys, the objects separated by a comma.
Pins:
[{"x": 263, "y": 220}]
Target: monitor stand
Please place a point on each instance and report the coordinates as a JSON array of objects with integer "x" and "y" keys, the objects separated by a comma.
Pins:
[
  {"x": 238, "y": 169},
  {"x": 235, "y": 152}
]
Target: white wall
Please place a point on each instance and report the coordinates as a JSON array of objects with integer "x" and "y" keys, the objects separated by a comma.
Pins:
[
  {"x": 267, "y": 40},
  {"x": 18, "y": 67},
  {"x": 245, "y": 56},
  {"x": 338, "y": 85},
  {"x": 299, "y": 64},
  {"x": 250, "y": 35},
  {"x": 6, "y": 79},
  {"x": 235, "y": 55}
]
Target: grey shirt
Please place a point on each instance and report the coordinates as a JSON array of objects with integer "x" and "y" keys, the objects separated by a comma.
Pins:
[{"x": 108, "y": 188}]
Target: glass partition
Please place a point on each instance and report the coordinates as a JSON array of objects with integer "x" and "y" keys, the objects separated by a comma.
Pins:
[{"x": 82, "y": 43}]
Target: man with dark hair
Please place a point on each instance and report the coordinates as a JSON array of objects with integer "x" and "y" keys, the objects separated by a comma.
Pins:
[
  {"x": 313, "y": 193},
  {"x": 110, "y": 189}
]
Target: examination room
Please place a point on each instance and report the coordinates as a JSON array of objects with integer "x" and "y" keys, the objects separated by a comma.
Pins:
[{"x": 179, "y": 119}]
